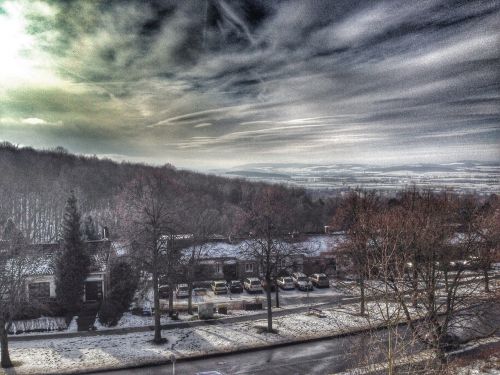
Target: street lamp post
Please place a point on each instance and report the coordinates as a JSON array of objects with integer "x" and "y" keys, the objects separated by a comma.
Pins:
[{"x": 172, "y": 358}]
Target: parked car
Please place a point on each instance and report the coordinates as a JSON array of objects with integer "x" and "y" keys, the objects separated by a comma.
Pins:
[
  {"x": 285, "y": 283},
  {"x": 146, "y": 309},
  {"x": 235, "y": 286},
  {"x": 182, "y": 290},
  {"x": 264, "y": 285},
  {"x": 200, "y": 288},
  {"x": 252, "y": 285},
  {"x": 320, "y": 280},
  {"x": 163, "y": 291},
  {"x": 219, "y": 287},
  {"x": 301, "y": 281}
]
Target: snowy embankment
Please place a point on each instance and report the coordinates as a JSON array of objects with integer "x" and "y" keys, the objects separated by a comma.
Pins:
[{"x": 117, "y": 351}]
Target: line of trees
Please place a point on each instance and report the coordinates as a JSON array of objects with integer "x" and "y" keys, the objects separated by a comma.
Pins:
[
  {"x": 425, "y": 254},
  {"x": 154, "y": 216}
]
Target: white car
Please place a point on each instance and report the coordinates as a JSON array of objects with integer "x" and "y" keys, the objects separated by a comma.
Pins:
[
  {"x": 285, "y": 283},
  {"x": 252, "y": 285},
  {"x": 320, "y": 280},
  {"x": 301, "y": 281},
  {"x": 182, "y": 291},
  {"x": 219, "y": 287}
]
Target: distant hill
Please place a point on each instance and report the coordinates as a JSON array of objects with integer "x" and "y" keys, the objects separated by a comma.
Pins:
[
  {"x": 34, "y": 185},
  {"x": 461, "y": 176}
]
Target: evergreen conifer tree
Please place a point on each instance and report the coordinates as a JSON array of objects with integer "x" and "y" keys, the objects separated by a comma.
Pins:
[{"x": 73, "y": 263}]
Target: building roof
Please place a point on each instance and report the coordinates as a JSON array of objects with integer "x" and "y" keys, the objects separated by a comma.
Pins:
[{"x": 47, "y": 253}]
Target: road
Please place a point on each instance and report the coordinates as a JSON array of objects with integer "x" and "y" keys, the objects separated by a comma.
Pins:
[{"x": 320, "y": 357}]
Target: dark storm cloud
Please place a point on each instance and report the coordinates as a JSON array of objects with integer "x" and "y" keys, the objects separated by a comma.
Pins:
[{"x": 326, "y": 80}]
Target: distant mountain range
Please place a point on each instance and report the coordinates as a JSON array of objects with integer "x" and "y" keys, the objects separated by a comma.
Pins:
[{"x": 462, "y": 176}]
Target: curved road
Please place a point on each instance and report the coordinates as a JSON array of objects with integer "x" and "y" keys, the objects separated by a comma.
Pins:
[{"x": 320, "y": 357}]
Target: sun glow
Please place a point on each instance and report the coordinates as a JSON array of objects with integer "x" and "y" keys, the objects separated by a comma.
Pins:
[
  {"x": 21, "y": 61},
  {"x": 15, "y": 46}
]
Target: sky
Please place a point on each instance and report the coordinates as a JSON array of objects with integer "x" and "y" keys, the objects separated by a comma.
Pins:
[{"x": 218, "y": 83}]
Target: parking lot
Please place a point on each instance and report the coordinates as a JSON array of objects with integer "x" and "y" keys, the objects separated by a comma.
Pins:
[{"x": 232, "y": 298}]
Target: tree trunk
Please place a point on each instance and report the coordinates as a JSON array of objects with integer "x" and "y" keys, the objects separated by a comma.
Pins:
[
  {"x": 415, "y": 285},
  {"x": 277, "y": 295},
  {"x": 441, "y": 357},
  {"x": 190, "y": 298},
  {"x": 170, "y": 298},
  {"x": 362, "y": 296},
  {"x": 486, "y": 280},
  {"x": 156, "y": 297},
  {"x": 269, "y": 306},
  {"x": 4, "y": 342}
]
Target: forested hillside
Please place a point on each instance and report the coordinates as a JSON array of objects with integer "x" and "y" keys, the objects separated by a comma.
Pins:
[{"x": 34, "y": 186}]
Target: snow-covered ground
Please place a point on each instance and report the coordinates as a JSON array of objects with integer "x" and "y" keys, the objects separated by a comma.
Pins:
[
  {"x": 488, "y": 366},
  {"x": 114, "y": 351}
]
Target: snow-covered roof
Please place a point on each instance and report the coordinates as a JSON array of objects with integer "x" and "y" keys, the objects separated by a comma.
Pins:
[
  {"x": 45, "y": 256},
  {"x": 312, "y": 245},
  {"x": 316, "y": 244},
  {"x": 186, "y": 236}
]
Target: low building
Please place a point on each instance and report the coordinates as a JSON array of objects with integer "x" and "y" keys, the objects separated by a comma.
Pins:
[
  {"x": 226, "y": 268},
  {"x": 41, "y": 285}
]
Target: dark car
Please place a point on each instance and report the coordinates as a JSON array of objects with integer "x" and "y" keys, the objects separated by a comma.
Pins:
[
  {"x": 235, "y": 286},
  {"x": 164, "y": 291}
]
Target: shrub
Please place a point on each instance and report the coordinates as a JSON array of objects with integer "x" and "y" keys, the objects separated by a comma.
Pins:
[
  {"x": 110, "y": 313},
  {"x": 123, "y": 285},
  {"x": 124, "y": 282},
  {"x": 28, "y": 311},
  {"x": 222, "y": 309}
]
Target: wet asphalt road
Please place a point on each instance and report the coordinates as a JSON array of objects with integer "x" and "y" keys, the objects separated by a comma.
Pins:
[{"x": 320, "y": 357}]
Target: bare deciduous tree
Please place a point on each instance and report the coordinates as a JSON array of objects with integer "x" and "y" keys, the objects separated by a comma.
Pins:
[
  {"x": 203, "y": 222},
  {"x": 417, "y": 259},
  {"x": 148, "y": 209},
  {"x": 269, "y": 226},
  {"x": 16, "y": 265},
  {"x": 356, "y": 217}
]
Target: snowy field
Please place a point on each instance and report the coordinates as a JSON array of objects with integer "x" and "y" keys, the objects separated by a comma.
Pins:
[{"x": 115, "y": 351}]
